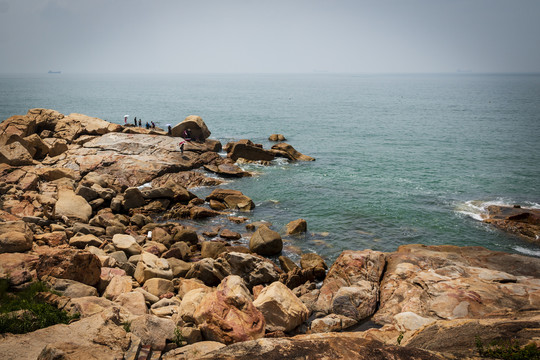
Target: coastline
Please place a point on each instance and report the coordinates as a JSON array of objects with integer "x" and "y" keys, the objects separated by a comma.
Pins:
[{"x": 72, "y": 186}]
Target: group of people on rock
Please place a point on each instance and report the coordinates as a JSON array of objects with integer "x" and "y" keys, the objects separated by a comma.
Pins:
[{"x": 136, "y": 122}]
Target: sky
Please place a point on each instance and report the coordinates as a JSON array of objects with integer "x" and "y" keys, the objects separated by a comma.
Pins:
[{"x": 276, "y": 36}]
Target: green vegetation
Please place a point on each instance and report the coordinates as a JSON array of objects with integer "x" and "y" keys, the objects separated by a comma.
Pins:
[
  {"x": 178, "y": 337},
  {"x": 21, "y": 313},
  {"x": 507, "y": 349},
  {"x": 127, "y": 326},
  {"x": 400, "y": 337}
]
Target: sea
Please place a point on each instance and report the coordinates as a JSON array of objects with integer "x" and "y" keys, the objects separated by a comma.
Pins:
[{"x": 400, "y": 158}]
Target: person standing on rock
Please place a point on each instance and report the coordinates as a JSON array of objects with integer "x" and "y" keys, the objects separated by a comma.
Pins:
[
  {"x": 135, "y": 121},
  {"x": 182, "y": 143},
  {"x": 169, "y": 130},
  {"x": 140, "y": 122}
]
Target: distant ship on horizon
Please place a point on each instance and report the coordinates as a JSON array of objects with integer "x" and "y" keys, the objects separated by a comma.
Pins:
[{"x": 54, "y": 72}]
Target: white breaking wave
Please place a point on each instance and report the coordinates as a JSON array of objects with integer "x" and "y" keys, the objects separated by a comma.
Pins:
[
  {"x": 526, "y": 251},
  {"x": 477, "y": 209}
]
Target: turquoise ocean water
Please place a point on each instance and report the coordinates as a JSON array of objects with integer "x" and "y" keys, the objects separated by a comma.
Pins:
[{"x": 400, "y": 158}]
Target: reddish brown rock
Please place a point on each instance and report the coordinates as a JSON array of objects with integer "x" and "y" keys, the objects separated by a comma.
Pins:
[
  {"x": 71, "y": 264},
  {"x": 228, "y": 315}
]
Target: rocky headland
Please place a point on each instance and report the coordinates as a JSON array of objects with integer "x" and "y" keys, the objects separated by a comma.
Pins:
[{"x": 97, "y": 212}]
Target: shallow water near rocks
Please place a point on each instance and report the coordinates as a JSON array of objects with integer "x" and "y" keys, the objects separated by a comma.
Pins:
[{"x": 400, "y": 158}]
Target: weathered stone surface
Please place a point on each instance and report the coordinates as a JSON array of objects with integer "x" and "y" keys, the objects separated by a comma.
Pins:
[
  {"x": 206, "y": 271},
  {"x": 72, "y": 206},
  {"x": 158, "y": 286},
  {"x": 150, "y": 266},
  {"x": 95, "y": 337},
  {"x": 247, "y": 150},
  {"x": 71, "y": 288},
  {"x": 240, "y": 202},
  {"x": 287, "y": 151},
  {"x": 282, "y": 310},
  {"x": 212, "y": 249},
  {"x": 227, "y": 315},
  {"x": 351, "y": 287},
  {"x": 449, "y": 282},
  {"x": 19, "y": 125},
  {"x": 190, "y": 302},
  {"x": 296, "y": 227},
  {"x": 265, "y": 241},
  {"x": 320, "y": 346},
  {"x": 117, "y": 286},
  {"x": 227, "y": 170},
  {"x": 15, "y": 236},
  {"x": 255, "y": 270},
  {"x": 82, "y": 241},
  {"x": 133, "y": 198},
  {"x": 153, "y": 331},
  {"x": 70, "y": 264},
  {"x": 134, "y": 302},
  {"x": 287, "y": 264},
  {"x": 15, "y": 154},
  {"x": 54, "y": 238},
  {"x": 198, "y": 129},
  {"x": 516, "y": 220},
  {"x": 127, "y": 244},
  {"x": 193, "y": 351},
  {"x": 458, "y": 337},
  {"x": 18, "y": 268},
  {"x": 331, "y": 323}
]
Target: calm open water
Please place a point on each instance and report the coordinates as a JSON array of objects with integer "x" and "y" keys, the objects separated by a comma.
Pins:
[{"x": 400, "y": 158}]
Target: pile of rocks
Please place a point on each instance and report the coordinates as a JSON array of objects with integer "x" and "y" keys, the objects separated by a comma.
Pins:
[{"x": 147, "y": 286}]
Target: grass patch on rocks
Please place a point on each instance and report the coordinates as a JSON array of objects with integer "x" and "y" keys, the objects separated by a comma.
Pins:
[{"x": 21, "y": 313}]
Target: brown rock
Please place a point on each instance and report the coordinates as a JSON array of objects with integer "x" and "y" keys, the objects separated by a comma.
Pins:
[
  {"x": 247, "y": 150},
  {"x": 15, "y": 236},
  {"x": 72, "y": 206},
  {"x": 449, "y": 282},
  {"x": 282, "y": 310},
  {"x": 276, "y": 137},
  {"x": 265, "y": 241},
  {"x": 516, "y": 220},
  {"x": 228, "y": 315},
  {"x": 287, "y": 151},
  {"x": 297, "y": 227},
  {"x": 351, "y": 287},
  {"x": 71, "y": 264},
  {"x": 196, "y": 125}
]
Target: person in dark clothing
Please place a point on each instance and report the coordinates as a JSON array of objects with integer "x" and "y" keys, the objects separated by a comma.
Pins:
[
  {"x": 147, "y": 125},
  {"x": 135, "y": 121},
  {"x": 153, "y": 125},
  {"x": 169, "y": 130},
  {"x": 140, "y": 122}
]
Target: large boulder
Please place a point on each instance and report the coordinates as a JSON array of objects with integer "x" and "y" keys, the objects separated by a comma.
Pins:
[
  {"x": 228, "y": 315},
  {"x": 296, "y": 227},
  {"x": 72, "y": 206},
  {"x": 351, "y": 287},
  {"x": 15, "y": 236},
  {"x": 282, "y": 310},
  {"x": 245, "y": 149},
  {"x": 265, "y": 241},
  {"x": 195, "y": 125},
  {"x": 15, "y": 154},
  {"x": 71, "y": 264},
  {"x": 449, "y": 282}
]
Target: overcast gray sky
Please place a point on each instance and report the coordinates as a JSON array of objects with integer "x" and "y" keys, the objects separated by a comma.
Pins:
[{"x": 246, "y": 36}]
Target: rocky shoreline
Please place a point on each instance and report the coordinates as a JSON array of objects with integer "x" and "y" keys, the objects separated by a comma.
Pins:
[{"x": 97, "y": 211}]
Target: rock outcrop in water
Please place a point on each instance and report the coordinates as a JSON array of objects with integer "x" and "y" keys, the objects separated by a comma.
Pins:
[
  {"x": 523, "y": 222},
  {"x": 74, "y": 215}
]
